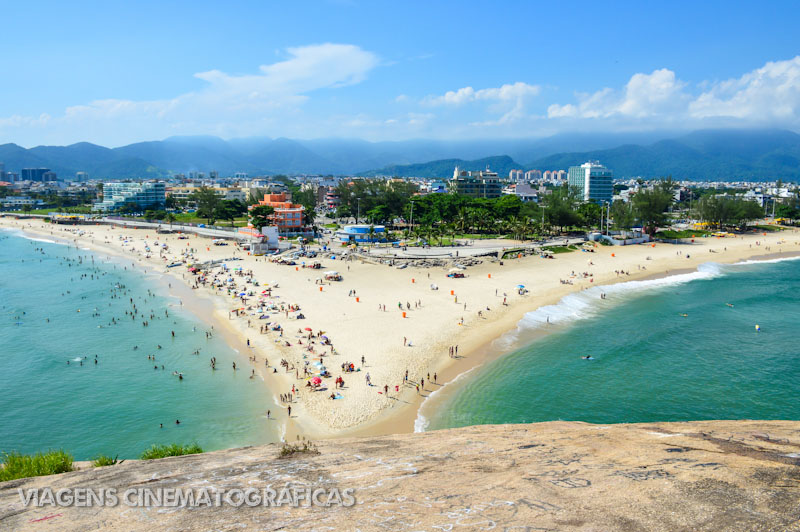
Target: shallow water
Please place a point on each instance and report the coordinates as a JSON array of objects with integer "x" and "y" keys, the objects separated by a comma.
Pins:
[
  {"x": 649, "y": 362},
  {"x": 117, "y": 405}
]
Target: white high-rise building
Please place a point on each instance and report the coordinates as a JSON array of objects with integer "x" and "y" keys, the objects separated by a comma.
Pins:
[
  {"x": 533, "y": 175},
  {"x": 593, "y": 181},
  {"x": 515, "y": 175}
]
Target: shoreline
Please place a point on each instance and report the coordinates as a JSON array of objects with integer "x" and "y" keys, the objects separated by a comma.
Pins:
[
  {"x": 197, "y": 304},
  {"x": 489, "y": 351},
  {"x": 477, "y": 338}
]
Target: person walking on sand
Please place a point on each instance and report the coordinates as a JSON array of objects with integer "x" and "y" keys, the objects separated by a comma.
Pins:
[{"x": 289, "y": 408}]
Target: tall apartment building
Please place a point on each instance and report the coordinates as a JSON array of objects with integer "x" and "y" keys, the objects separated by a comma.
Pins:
[
  {"x": 287, "y": 216},
  {"x": 482, "y": 184},
  {"x": 593, "y": 181},
  {"x": 34, "y": 174},
  {"x": 515, "y": 175},
  {"x": 533, "y": 175},
  {"x": 147, "y": 195}
]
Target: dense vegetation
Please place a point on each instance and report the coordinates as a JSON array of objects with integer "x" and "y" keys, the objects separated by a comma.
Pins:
[
  {"x": 163, "y": 451},
  {"x": 16, "y": 465}
]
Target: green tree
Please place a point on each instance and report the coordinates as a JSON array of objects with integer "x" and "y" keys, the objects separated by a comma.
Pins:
[
  {"x": 650, "y": 206},
  {"x": 260, "y": 216},
  {"x": 560, "y": 207},
  {"x": 747, "y": 211},
  {"x": 463, "y": 220},
  {"x": 379, "y": 213},
  {"x": 206, "y": 200},
  {"x": 226, "y": 210},
  {"x": 622, "y": 214},
  {"x": 590, "y": 214}
]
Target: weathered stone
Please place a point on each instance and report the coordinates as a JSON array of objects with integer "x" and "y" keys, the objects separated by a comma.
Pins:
[{"x": 710, "y": 475}]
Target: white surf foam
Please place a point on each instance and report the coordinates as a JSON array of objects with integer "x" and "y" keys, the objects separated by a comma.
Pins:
[
  {"x": 765, "y": 261},
  {"x": 421, "y": 423},
  {"x": 588, "y": 303},
  {"x": 37, "y": 239}
]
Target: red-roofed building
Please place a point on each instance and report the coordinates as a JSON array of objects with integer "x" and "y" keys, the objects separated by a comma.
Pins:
[{"x": 288, "y": 216}]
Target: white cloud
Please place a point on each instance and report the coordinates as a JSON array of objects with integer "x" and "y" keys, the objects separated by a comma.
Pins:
[
  {"x": 769, "y": 95},
  {"x": 282, "y": 99},
  {"x": 645, "y": 95},
  {"x": 509, "y": 92},
  {"x": 771, "y": 92},
  {"x": 228, "y": 104}
]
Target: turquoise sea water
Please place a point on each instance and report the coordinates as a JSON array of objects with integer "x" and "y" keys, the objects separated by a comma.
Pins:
[
  {"x": 650, "y": 363},
  {"x": 115, "y": 406}
]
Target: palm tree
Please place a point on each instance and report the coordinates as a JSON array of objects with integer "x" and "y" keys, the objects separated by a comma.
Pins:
[
  {"x": 426, "y": 231},
  {"x": 463, "y": 221},
  {"x": 526, "y": 228},
  {"x": 453, "y": 230},
  {"x": 481, "y": 218},
  {"x": 439, "y": 232},
  {"x": 171, "y": 218},
  {"x": 371, "y": 234}
]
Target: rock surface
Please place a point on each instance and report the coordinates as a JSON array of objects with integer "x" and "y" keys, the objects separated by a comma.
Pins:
[{"x": 709, "y": 475}]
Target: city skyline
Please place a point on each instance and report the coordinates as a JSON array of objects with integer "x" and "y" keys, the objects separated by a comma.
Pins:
[{"x": 114, "y": 75}]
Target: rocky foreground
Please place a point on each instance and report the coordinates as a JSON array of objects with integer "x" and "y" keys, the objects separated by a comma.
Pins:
[{"x": 711, "y": 475}]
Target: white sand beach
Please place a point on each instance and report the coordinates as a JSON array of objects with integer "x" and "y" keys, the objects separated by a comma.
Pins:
[{"x": 469, "y": 313}]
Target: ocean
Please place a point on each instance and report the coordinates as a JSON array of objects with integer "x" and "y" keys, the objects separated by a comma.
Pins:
[
  {"x": 56, "y": 306},
  {"x": 678, "y": 348}
]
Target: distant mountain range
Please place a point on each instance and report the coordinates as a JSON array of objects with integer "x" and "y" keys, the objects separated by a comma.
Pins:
[
  {"x": 709, "y": 154},
  {"x": 712, "y": 155}
]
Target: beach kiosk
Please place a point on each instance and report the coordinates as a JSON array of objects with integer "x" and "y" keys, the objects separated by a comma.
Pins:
[{"x": 331, "y": 275}]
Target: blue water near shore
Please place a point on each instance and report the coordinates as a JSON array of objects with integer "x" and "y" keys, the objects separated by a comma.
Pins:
[
  {"x": 649, "y": 361},
  {"x": 117, "y": 405}
]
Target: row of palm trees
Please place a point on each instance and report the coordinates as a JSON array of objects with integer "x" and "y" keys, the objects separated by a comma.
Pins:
[{"x": 516, "y": 227}]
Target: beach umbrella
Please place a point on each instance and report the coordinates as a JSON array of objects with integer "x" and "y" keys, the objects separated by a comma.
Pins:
[
  {"x": 316, "y": 380},
  {"x": 308, "y": 328},
  {"x": 520, "y": 286}
]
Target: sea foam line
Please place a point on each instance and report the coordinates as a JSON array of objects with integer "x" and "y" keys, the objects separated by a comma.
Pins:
[
  {"x": 421, "y": 423},
  {"x": 20, "y": 233}
]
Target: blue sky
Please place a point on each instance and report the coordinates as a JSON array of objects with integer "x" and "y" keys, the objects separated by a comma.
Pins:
[{"x": 119, "y": 72}]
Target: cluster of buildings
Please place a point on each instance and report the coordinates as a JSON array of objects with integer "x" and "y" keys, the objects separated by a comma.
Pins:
[
  {"x": 593, "y": 181},
  {"x": 553, "y": 177},
  {"x": 480, "y": 184},
  {"x": 145, "y": 195},
  {"x": 40, "y": 175},
  {"x": 288, "y": 217}
]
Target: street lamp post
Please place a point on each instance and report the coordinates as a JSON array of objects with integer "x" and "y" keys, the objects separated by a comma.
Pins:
[
  {"x": 542, "y": 206},
  {"x": 412, "y": 215}
]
